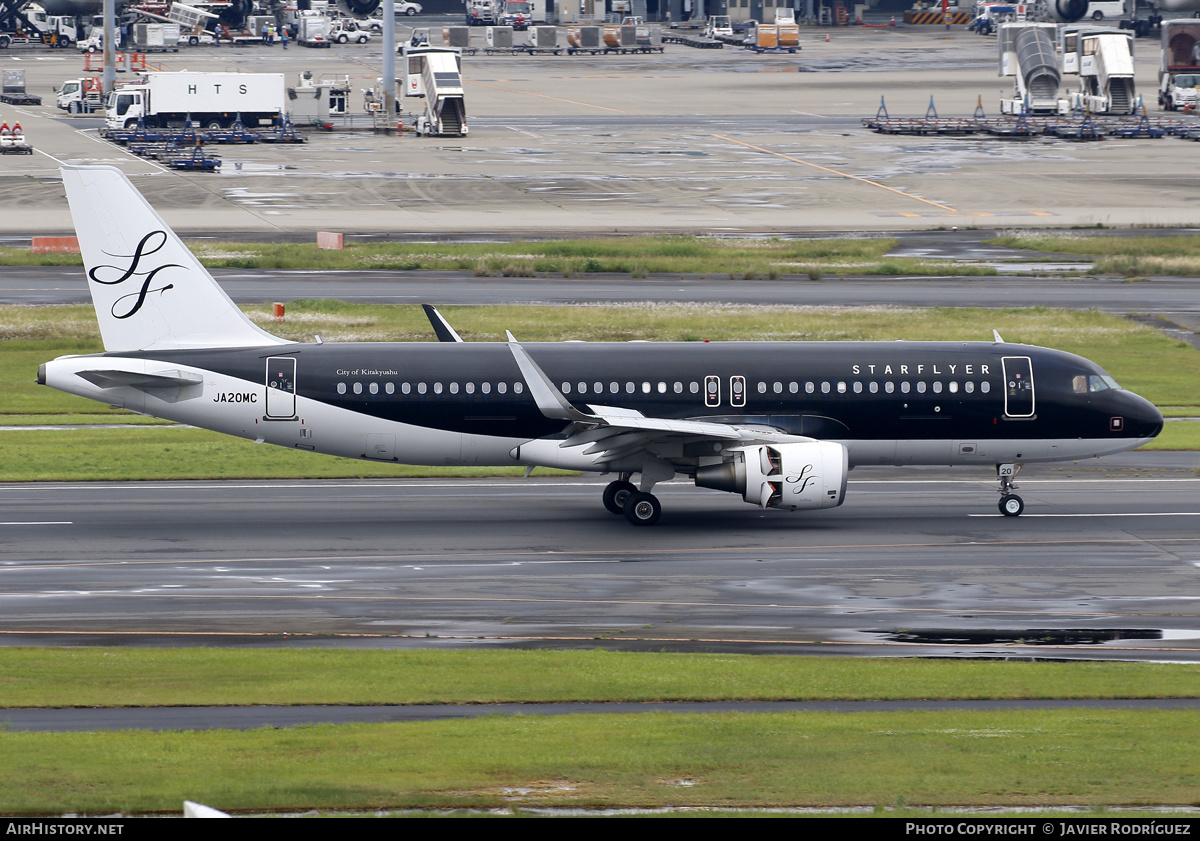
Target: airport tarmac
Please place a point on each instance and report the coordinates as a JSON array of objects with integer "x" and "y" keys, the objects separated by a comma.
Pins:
[
  {"x": 689, "y": 140},
  {"x": 918, "y": 562}
]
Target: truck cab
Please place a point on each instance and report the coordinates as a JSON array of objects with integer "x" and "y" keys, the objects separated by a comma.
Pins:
[{"x": 1178, "y": 91}]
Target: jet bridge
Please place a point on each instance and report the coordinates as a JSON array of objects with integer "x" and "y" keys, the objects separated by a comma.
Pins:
[
  {"x": 1027, "y": 54},
  {"x": 1102, "y": 58},
  {"x": 435, "y": 74}
]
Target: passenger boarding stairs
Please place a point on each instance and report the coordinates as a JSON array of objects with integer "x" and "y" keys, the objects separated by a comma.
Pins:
[
  {"x": 434, "y": 73},
  {"x": 1027, "y": 54},
  {"x": 1103, "y": 59}
]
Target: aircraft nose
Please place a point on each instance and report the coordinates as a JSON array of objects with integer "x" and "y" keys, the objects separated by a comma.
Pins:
[{"x": 1141, "y": 418}]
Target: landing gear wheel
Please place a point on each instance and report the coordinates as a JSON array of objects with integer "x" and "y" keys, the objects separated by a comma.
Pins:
[
  {"x": 642, "y": 509},
  {"x": 1011, "y": 505},
  {"x": 615, "y": 495}
]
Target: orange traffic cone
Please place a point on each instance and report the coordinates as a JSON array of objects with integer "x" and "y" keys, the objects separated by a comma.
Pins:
[{"x": 826, "y": 37}]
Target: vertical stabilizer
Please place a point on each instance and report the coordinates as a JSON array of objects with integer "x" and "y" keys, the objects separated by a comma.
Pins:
[{"x": 148, "y": 289}]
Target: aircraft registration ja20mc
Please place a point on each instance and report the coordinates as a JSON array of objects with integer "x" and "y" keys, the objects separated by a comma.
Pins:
[{"x": 778, "y": 423}]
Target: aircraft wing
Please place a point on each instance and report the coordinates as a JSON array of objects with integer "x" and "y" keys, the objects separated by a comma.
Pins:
[{"x": 614, "y": 432}]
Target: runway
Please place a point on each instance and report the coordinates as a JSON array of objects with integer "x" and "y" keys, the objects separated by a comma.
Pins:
[
  {"x": 58, "y": 285},
  {"x": 916, "y": 563}
]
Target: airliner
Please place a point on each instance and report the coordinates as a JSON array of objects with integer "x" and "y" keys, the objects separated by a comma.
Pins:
[{"x": 780, "y": 424}]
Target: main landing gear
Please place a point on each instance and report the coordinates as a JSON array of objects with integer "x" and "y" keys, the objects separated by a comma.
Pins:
[
  {"x": 1011, "y": 505},
  {"x": 639, "y": 508}
]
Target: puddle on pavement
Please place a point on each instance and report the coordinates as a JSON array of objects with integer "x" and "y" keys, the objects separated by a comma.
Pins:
[{"x": 1021, "y": 636}]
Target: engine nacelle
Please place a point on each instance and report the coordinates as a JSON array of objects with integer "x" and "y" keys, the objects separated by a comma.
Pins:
[
  {"x": 363, "y": 8},
  {"x": 806, "y": 475},
  {"x": 1066, "y": 11}
]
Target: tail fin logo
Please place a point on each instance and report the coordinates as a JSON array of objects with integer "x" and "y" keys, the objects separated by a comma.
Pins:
[{"x": 151, "y": 243}]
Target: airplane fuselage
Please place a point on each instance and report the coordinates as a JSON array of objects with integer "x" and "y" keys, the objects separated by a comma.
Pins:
[{"x": 942, "y": 403}]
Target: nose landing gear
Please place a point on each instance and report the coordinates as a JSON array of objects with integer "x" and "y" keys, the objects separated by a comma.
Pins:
[{"x": 1011, "y": 505}]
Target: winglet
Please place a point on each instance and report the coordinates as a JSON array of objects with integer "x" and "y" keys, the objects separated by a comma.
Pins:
[
  {"x": 548, "y": 398},
  {"x": 996, "y": 336},
  {"x": 441, "y": 327}
]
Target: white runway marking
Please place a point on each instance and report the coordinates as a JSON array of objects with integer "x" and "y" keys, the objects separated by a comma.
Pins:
[
  {"x": 41, "y": 523},
  {"x": 1133, "y": 514}
]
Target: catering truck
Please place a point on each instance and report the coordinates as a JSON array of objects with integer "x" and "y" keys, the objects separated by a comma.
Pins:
[{"x": 211, "y": 100}]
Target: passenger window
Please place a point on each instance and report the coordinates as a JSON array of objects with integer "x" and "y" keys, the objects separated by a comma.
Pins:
[
  {"x": 486, "y": 388},
  {"x": 470, "y": 387},
  {"x": 810, "y": 387},
  {"x": 405, "y": 388},
  {"x": 937, "y": 388},
  {"x": 793, "y": 388},
  {"x": 874, "y": 387},
  {"x": 518, "y": 387},
  {"x": 373, "y": 388},
  {"x": 566, "y": 388},
  {"x": 390, "y": 388},
  {"x": 904, "y": 387},
  {"x": 501, "y": 388},
  {"x": 841, "y": 388},
  {"x": 921, "y": 387},
  {"x": 341, "y": 389},
  {"x": 437, "y": 388},
  {"x": 857, "y": 388},
  {"x": 889, "y": 386},
  {"x": 969, "y": 387},
  {"x": 985, "y": 387},
  {"x": 824, "y": 388},
  {"x": 358, "y": 388},
  {"x": 777, "y": 388},
  {"x": 420, "y": 388}
]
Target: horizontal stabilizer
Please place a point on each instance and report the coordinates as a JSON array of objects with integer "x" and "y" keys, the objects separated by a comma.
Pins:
[{"x": 131, "y": 379}]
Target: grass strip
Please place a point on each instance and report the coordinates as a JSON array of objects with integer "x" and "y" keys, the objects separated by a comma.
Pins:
[
  {"x": 636, "y": 256},
  {"x": 1128, "y": 256},
  {"x": 1027, "y": 758},
  {"x": 56, "y": 677}
]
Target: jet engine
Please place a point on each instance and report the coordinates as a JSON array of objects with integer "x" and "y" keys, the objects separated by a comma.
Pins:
[
  {"x": 805, "y": 475},
  {"x": 363, "y": 8},
  {"x": 1066, "y": 11}
]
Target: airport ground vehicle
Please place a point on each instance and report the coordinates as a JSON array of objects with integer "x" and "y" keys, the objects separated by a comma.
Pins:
[
  {"x": 1179, "y": 72},
  {"x": 197, "y": 39},
  {"x": 80, "y": 96},
  {"x": 211, "y": 100},
  {"x": 312, "y": 30},
  {"x": 777, "y": 423},
  {"x": 345, "y": 30}
]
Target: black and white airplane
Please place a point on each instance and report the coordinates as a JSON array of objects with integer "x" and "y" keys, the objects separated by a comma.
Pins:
[{"x": 779, "y": 423}]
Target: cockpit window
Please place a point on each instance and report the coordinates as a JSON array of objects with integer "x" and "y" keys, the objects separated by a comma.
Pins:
[{"x": 1088, "y": 383}]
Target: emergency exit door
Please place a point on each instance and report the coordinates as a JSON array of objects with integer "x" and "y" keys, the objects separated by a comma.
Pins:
[
  {"x": 1018, "y": 387},
  {"x": 281, "y": 387}
]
